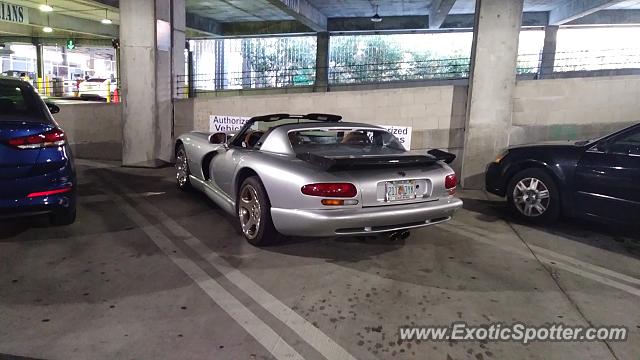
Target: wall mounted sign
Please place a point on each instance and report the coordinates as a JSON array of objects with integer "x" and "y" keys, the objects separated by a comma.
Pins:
[
  {"x": 226, "y": 124},
  {"x": 14, "y": 13},
  {"x": 403, "y": 133}
]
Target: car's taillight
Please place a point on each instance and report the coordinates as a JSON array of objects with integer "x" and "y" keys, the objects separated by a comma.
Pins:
[
  {"x": 51, "y": 138},
  {"x": 342, "y": 190},
  {"x": 450, "y": 183}
]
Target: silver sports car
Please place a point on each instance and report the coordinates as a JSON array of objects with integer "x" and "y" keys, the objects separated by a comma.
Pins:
[{"x": 313, "y": 175}]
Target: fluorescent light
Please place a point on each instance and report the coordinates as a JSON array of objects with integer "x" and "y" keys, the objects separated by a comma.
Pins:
[
  {"x": 47, "y": 29},
  {"x": 106, "y": 21},
  {"x": 45, "y": 8}
]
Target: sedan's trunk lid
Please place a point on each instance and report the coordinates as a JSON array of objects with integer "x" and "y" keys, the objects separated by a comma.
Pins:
[
  {"x": 385, "y": 178},
  {"x": 16, "y": 163}
]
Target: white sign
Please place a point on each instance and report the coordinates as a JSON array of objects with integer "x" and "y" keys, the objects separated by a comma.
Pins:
[
  {"x": 403, "y": 133},
  {"x": 226, "y": 124},
  {"x": 14, "y": 13}
]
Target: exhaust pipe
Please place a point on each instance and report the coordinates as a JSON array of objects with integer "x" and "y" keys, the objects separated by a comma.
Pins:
[{"x": 399, "y": 235}]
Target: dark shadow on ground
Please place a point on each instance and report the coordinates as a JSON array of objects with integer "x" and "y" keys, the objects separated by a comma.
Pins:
[{"x": 604, "y": 236}]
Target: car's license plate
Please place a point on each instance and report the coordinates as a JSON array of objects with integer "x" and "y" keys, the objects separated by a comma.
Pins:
[{"x": 400, "y": 190}]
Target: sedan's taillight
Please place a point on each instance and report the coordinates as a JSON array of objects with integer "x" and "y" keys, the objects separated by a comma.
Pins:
[
  {"x": 51, "y": 138},
  {"x": 341, "y": 190},
  {"x": 450, "y": 183}
]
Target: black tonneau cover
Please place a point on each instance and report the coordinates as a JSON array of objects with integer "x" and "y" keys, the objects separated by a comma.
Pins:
[{"x": 334, "y": 163}]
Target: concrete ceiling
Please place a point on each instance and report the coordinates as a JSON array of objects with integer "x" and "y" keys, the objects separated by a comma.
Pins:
[
  {"x": 236, "y": 11},
  {"x": 248, "y": 17}
]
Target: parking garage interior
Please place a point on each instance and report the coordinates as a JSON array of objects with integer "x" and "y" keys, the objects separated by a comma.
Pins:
[{"x": 148, "y": 271}]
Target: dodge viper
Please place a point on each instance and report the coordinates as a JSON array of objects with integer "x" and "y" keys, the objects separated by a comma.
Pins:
[{"x": 314, "y": 175}]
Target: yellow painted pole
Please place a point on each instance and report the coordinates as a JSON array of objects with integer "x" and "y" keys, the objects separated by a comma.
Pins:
[
  {"x": 47, "y": 86},
  {"x": 40, "y": 86},
  {"x": 108, "y": 91}
]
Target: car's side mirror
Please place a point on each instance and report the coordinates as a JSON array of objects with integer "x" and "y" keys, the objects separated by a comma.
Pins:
[
  {"x": 218, "y": 138},
  {"x": 53, "y": 108},
  {"x": 442, "y": 155}
]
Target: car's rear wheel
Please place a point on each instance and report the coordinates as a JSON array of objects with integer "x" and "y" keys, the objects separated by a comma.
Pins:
[
  {"x": 63, "y": 217},
  {"x": 533, "y": 195},
  {"x": 182, "y": 169},
  {"x": 254, "y": 213}
]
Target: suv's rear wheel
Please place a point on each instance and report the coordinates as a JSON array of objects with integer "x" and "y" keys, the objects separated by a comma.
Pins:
[
  {"x": 254, "y": 213},
  {"x": 533, "y": 195}
]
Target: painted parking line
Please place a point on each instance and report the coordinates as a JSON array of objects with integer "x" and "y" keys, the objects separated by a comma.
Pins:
[
  {"x": 551, "y": 258},
  {"x": 260, "y": 331},
  {"x": 303, "y": 328}
]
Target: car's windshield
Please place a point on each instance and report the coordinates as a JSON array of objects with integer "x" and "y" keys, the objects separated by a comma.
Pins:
[
  {"x": 344, "y": 141},
  {"x": 19, "y": 102}
]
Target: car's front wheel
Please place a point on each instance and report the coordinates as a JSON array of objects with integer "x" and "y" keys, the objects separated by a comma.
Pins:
[
  {"x": 182, "y": 169},
  {"x": 254, "y": 213},
  {"x": 533, "y": 195}
]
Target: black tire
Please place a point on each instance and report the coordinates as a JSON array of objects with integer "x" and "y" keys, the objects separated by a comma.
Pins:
[
  {"x": 522, "y": 205},
  {"x": 265, "y": 233},
  {"x": 63, "y": 217},
  {"x": 182, "y": 183}
]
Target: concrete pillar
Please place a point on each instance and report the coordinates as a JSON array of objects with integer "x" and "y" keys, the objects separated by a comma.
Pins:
[
  {"x": 39, "y": 60},
  {"x": 322, "y": 62},
  {"x": 149, "y": 60},
  {"x": 179, "y": 45},
  {"x": 246, "y": 65},
  {"x": 548, "y": 58},
  {"x": 491, "y": 83},
  {"x": 220, "y": 78}
]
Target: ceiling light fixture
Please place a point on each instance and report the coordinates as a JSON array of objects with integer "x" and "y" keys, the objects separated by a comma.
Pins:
[
  {"x": 106, "y": 19},
  {"x": 376, "y": 18},
  {"x": 46, "y": 7}
]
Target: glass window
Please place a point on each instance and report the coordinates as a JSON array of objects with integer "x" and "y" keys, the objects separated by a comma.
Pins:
[
  {"x": 345, "y": 142},
  {"x": 19, "y": 102},
  {"x": 627, "y": 143}
]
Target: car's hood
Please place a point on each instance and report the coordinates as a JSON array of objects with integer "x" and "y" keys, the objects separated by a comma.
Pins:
[{"x": 560, "y": 143}]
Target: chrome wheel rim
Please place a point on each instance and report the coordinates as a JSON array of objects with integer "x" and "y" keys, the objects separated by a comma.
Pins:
[
  {"x": 531, "y": 197},
  {"x": 182, "y": 169},
  {"x": 249, "y": 212}
]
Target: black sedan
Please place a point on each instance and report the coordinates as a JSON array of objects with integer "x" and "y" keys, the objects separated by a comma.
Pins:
[{"x": 595, "y": 179}]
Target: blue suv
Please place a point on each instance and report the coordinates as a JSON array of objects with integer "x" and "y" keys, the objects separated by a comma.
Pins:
[{"x": 37, "y": 175}]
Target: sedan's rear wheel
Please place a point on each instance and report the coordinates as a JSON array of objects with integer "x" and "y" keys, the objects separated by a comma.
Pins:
[
  {"x": 254, "y": 213},
  {"x": 534, "y": 196},
  {"x": 182, "y": 169}
]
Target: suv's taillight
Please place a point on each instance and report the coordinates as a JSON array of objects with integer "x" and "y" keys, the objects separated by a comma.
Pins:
[
  {"x": 342, "y": 190},
  {"x": 51, "y": 138},
  {"x": 450, "y": 183}
]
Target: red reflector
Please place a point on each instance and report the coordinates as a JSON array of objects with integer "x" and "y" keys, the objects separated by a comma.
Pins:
[
  {"x": 47, "y": 193},
  {"x": 330, "y": 190},
  {"x": 451, "y": 181}
]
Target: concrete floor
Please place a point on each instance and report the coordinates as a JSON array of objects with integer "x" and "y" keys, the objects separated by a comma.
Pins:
[{"x": 149, "y": 272}]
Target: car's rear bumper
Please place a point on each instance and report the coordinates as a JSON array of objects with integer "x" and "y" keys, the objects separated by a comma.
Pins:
[
  {"x": 494, "y": 179},
  {"x": 358, "y": 221},
  {"x": 10, "y": 208},
  {"x": 14, "y": 192}
]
